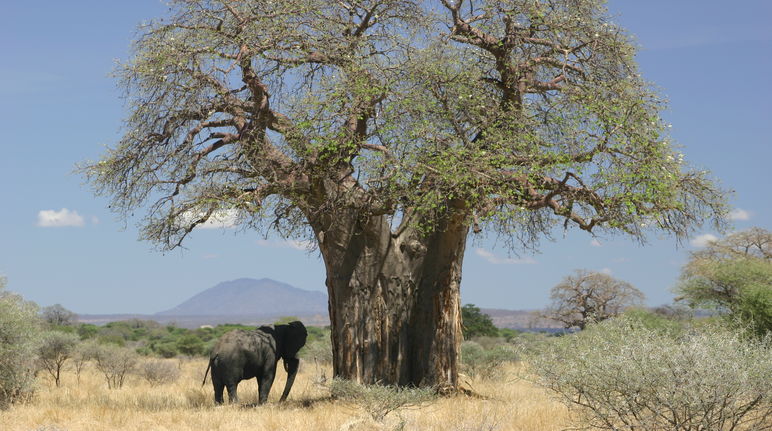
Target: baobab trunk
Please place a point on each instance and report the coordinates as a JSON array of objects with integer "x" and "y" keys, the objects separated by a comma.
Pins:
[{"x": 395, "y": 301}]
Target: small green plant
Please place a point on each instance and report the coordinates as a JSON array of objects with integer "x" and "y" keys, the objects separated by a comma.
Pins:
[{"x": 623, "y": 375}]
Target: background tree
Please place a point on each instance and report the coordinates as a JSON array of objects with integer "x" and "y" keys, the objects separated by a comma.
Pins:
[
  {"x": 476, "y": 323},
  {"x": 56, "y": 315},
  {"x": 589, "y": 297},
  {"x": 54, "y": 350},
  {"x": 19, "y": 331},
  {"x": 387, "y": 130},
  {"x": 734, "y": 276}
]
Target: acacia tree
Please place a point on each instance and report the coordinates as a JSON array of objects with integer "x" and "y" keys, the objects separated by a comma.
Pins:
[
  {"x": 588, "y": 297},
  {"x": 733, "y": 275},
  {"x": 386, "y": 131}
]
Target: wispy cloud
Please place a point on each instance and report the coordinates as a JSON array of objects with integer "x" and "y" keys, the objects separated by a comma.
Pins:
[
  {"x": 703, "y": 240},
  {"x": 606, "y": 271},
  {"x": 595, "y": 243},
  {"x": 496, "y": 260},
  {"x": 739, "y": 214},
  {"x": 290, "y": 243},
  {"x": 61, "y": 218}
]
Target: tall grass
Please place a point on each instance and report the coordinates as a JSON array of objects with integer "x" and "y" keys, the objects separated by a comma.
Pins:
[{"x": 503, "y": 404}]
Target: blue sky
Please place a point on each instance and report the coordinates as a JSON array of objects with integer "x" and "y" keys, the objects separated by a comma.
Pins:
[{"x": 58, "y": 107}]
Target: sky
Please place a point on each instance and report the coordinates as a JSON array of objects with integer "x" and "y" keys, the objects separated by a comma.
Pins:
[{"x": 59, "y": 107}]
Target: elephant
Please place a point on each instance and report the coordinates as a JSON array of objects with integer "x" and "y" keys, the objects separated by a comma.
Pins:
[{"x": 239, "y": 355}]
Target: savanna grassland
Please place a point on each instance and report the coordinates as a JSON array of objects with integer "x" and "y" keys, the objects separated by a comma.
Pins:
[{"x": 507, "y": 403}]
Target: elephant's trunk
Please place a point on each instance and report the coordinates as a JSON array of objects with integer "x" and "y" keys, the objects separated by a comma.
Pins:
[{"x": 291, "y": 365}]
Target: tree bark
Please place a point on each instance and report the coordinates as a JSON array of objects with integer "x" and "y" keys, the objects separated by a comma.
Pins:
[{"x": 394, "y": 300}]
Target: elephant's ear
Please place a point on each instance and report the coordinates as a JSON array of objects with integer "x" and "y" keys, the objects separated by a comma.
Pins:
[{"x": 293, "y": 339}]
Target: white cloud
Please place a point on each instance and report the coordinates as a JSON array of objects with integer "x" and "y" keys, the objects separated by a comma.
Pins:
[
  {"x": 595, "y": 243},
  {"x": 606, "y": 271},
  {"x": 496, "y": 260},
  {"x": 94, "y": 220},
  {"x": 219, "y": 220},
  {"x": 703, "y": 240},
  {"x": 290, "y": 243},
  {"x": 61, "y": 218},
  {"x": 739, "y": 214}
]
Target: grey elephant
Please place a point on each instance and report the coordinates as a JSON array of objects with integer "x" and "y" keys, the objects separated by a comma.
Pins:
[{"x": 240, "y": 355}]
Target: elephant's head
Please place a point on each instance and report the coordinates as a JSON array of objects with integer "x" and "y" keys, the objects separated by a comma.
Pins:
[{"x": 290, "y": 338}]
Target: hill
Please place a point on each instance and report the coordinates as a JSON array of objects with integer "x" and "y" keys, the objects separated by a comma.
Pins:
[{"x": 251, "y": 297}]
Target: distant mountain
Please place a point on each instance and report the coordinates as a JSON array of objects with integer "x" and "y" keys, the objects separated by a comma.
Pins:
[{"x": 250, "y": 297}]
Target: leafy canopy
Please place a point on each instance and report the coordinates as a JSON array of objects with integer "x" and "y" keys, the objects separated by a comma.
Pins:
[{"x": 519, "y": 114}]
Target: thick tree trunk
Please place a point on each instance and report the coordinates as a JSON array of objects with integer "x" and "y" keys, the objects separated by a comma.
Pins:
[{"x": 394, "y": 301}]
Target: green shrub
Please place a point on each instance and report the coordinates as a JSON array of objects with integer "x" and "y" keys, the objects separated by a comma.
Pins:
[
  {"x": 190, "y": 345},
  {"x": 476, "y": 360},
  {"x": 19, "y": 332},
  {"x": 623, "y": 375}
]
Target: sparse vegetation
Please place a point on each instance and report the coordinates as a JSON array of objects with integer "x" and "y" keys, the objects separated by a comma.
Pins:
[
  {"x": 625, "y": 375},
  {"x": 54, "y": 350},
  {"x": 379, "y": 400},
  {"x": 158, "y": 372},
  {"x": 115, "y": 363}
]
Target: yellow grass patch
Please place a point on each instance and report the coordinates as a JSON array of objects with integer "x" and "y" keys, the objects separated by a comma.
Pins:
[{"x": 507, "y": 404}]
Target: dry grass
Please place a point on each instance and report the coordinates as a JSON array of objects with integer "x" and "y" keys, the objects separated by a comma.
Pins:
[{"x": 509, "y": 404}]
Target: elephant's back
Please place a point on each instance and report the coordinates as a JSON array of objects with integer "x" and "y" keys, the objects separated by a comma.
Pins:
[{"x": 240, "y": 339}]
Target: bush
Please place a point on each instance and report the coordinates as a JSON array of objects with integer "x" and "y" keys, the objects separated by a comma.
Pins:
[
  {"x": 378, "y": 400},
  {"x": 54, "y": 350},
  {"x": 115, "y": 363},
  {"x": 319, "y": 350},
  {"x": 158, "y": 372},
  {"x": 190, "y": 345},
  {"x": 622, "y": 375},
  {"x": 19, "y": 332},
  {"x": 476, "y": 360}
]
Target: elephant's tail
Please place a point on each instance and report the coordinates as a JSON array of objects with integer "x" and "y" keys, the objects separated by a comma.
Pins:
[{"x": 207, "y": 369}]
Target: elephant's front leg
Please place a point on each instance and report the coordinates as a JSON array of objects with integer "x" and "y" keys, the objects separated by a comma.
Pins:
[{"x": 264, "y": 383}]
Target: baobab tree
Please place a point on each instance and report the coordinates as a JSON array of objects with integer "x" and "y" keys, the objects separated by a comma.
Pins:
[
  {"x": 589, "y": 297},
  {"x": 387, "y": 132}
]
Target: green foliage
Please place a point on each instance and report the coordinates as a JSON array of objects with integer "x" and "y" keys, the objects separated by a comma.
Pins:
[
  {"x": 477, "y": 360},
  {"x": 525, "y": 131},
  {"x": 623, "y": 374},
  {"x": 190, "y": 345},
  {"x": 734, "y": 276},
  {"x": 476, "y": 323},
  {"x": 19, "y": 333}
]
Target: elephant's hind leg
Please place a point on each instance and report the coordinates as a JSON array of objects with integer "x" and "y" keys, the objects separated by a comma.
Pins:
[
  {"x": 233, "y": 396},
  {"x": 219, "y": 387}
]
